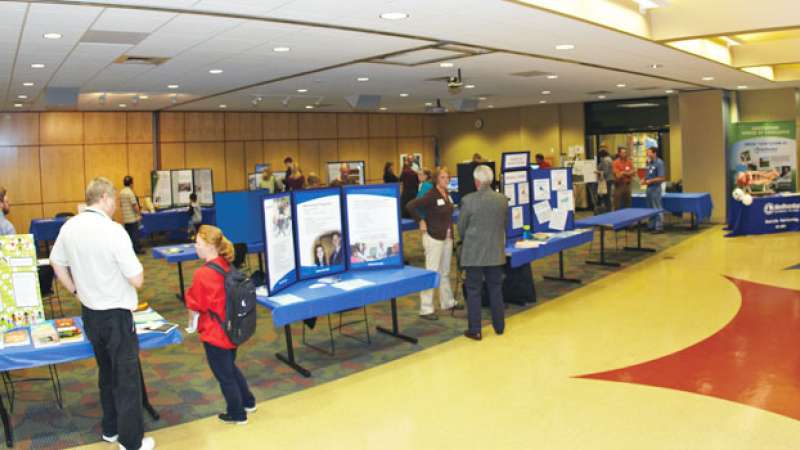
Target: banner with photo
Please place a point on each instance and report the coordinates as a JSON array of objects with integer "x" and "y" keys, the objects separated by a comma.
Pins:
[
  {"x": 281, "y": 269},
  {"x": 318, "y": 228},
  {"x": 374, "y": 236},
  {"x": 767, "y": 153}
]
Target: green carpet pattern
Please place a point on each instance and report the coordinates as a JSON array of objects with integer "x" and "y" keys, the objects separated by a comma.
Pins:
[{"x": 182, "y": 388}]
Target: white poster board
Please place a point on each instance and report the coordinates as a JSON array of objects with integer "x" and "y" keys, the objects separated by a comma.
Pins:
[
  {"x": 416, "y": 161},
  {"x": 355, "y": 175},
  {"x": 204, "y": 186},
  {"x": 161, "y": 183},
  {"x": 279, "y": 242},
  {"x": 182, "y": 186}
]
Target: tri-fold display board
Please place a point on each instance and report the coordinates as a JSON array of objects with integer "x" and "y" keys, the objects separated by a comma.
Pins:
[
  {"x": 321, "y": 232},
  {"x": 516, "y": 187},
  {"x": 172, "y": 188}
]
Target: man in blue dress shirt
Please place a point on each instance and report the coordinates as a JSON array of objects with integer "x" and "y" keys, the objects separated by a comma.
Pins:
[{"x": 653, "y": 179}]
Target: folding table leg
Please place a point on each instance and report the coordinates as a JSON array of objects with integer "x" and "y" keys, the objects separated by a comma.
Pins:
[
  {"x": 560, "y": 276},
  {"x": 289, "y": 359},
  {"x": 603, "y": 261},
  {"x": 639, "y": 247},
  {"x": 395, "y": 331}
]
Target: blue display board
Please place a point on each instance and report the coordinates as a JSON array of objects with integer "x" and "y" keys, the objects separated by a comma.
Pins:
[
  {"x": 319, "y": 238},
  {"x": 239, "y": 215},
  {"x": 552, "y": 198},
  {"x": 516, "y": 187},
  {"x": 372, "y": 219},
  {"x": 280, "y": 269}
]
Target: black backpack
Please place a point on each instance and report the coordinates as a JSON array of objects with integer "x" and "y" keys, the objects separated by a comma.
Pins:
[{"x": 240, "y": 305}]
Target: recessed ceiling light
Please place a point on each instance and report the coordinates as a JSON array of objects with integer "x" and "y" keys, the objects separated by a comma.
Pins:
[
  {"x": 428, "y": 104},
  {"x": 669, "y": 91},
  {"x": 446, "y": 64},
  {"x": 383, "y": 108},
  {"x": 542, "y": 101},
  {"x": 565, "y": 47},
  {"x": 362, "y": 79},
  {"x": 144, "y": 97},
  {"x": 281, "y": 49},
  {"x": 28, "y": 83},
  {"x": 22, "y": 97},
  {"x": 621, "y": 85},
  {"x": 403, "y": 94},
  {"x": 309, "y": 106},
  {"x": 545, "y": 92},
  {"x": 223, "y": 106},
  {"x": 552, "y": 77},
  {"x": 302, "y": 91},
  {"x": 17, "y": 105},
  {"x": 481, "y": 98},
  {"x": 215, "y": 71},
  {"x": 656, "y": 66},
  {"x": 490, "y": 106},
  {"x": 52, "y": 36},
  {"x": 601, "y": 97},
  {"x": 469, "y": 86},
  {"x": 173, "y": 86},
  {"x": 37, "y": 66},
  {"x": 741, "y": 87},
  {"x": 394, "y": 16},
  {"x": 708, "y": 78},
  {"x": 123, "y": 105}
]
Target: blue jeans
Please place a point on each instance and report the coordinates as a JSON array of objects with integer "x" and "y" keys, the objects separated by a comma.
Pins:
[{"x": 654, "y": 201}]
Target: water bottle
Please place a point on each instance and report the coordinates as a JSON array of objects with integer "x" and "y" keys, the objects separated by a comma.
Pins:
[{"x": 526, "y": 232}]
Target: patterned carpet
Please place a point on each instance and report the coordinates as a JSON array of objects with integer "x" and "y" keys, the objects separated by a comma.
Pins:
[{"x": 182, "y": 388}]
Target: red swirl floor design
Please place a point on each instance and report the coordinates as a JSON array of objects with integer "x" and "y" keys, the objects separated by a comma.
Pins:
[{"x": 754, "y": 360}]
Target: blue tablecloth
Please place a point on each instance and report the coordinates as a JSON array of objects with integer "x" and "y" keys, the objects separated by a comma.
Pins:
[
  {"x": 187, "y": 252},
  {"x": 619, "y": 219},
  {"x": 162, "y": 221},
  {"x": 410, "y": 224},
  {"x": 388, "y": 284},
  {"x": 768, "y": 214},
  {"x": 26, "y": 357},
  {"x": 522, "y": 256},
  {"x": 697, "y": 203}
]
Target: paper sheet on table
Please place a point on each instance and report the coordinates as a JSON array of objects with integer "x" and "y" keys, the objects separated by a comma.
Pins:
[
  {"x": 285, "y": 299},
  {"x": 542, "y": 211},
  {"x": 26, "y": 289},
  {"x": 523, "y": 194},
  {"x": 541, "y": 189},
  {"x": 558, "y": 219},
  {"x": 565, "y": 200},
  {"x": 261, "y": 291},
  {"x": 517, "y": 218},
  {"x": 316, "y": 286},
  {"x": 511, "y": 193},
  {"x": 558, "y": 179},
  {"x": 353, "y": 284}
]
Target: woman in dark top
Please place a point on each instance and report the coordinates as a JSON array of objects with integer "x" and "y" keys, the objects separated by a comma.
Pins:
[
  {"x": 296, "y": 180},
  {"x": 437, "y": 240},
  {"x": 410, "y": 183},
  {"x": 388, "y": 173}
]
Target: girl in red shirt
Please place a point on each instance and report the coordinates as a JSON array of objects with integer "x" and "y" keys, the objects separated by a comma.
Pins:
[{"x": 206, "y": 295}]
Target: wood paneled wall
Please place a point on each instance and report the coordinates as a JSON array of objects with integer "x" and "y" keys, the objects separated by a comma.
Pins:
[
  {"x": 233, "y": 143},
  {"x": 46, "y": 159}
]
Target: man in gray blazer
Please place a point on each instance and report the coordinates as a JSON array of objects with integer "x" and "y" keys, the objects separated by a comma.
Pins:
[{"x": 482, "y": 227}]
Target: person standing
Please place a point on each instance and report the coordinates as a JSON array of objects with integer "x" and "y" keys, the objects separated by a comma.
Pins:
[
  {"x": 93, "y": 258},
  {"x": 409, "y": 181},
  {"x": 313, "y": 181},
  {"x": 131, "y": 214},
  {"x": 289, "y": 163},
  {"x": 656, "y": 175},
  {"x": 268, "y": 181},
  {"x": 605, "y": 173},
  {"x": 482, "y": 227},
  {"x": 206, "y": 296},
  {"x": 296, "y": 181},
  {"x": 6, "y": 227},
  {"x": 623, "y": 174},
  {"x": 437, "y": 240},
  {"x": 388, "y": 173}
]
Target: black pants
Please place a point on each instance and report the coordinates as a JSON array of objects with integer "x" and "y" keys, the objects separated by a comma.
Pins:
[
  {"x": 116, "y": 349},
  {"x": 133, "y": 233},
  {"x": 474, "y": 284},
  {"x": 231, "y": 381}
]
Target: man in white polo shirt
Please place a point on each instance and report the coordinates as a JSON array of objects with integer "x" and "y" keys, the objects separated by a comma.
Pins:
[{"x": 94, "y": 259}]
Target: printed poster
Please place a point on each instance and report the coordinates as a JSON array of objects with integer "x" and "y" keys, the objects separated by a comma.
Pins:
[
  {"x": 19, "y": 282},
  {"x": 558, "y": 179},
  {"x": 541, "y": 189},
  {"x": 320, "y": 243},
  {"x": 523, "y": 194},
  {"x": 182, "y": 186},
  {"x": 162, "y": 189},
  {"x": 373, "y": 226},
  {"x": 355, "y": 174},
  {"x": 204, "y": 186},
  {"x": 767, "y": 152},
  {"x": 279, "y": 242}
]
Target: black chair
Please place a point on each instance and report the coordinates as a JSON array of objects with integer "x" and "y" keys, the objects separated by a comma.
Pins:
[
  {"x": 49, "y": 295},
  {"x": 64, "y": 215},
  {"x": 240, "y": 256}
]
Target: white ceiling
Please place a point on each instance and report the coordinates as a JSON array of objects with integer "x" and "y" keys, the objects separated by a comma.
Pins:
[{"x": 352, "y": 32}]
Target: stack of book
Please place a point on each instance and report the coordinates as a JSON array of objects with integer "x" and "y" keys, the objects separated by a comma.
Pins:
[
  {"x": 44, "y": 335},
  {"x": 16, "y": 338},
  {"x": 67, "y": 331}
]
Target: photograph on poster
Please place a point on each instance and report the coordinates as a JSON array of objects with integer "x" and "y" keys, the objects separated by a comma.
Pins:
[
  {"x": 373, "y": 226},
  {"x": 416, "y": 161},
  {"x": 320, "y": 243},
  {"x": 279, "y": 242}
]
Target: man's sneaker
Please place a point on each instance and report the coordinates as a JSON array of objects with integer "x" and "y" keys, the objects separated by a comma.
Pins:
[
  {"x": 251, "y": 409},
  {"x": 148, "y": 443},
  {"x": 111, "y": 439},
  {"x": 230, "y": 420}
]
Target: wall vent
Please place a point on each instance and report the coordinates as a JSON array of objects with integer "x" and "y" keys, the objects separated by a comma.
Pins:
[{"x": 141, "y": 60}]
